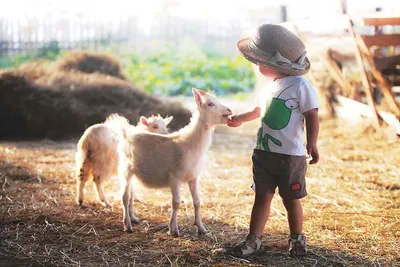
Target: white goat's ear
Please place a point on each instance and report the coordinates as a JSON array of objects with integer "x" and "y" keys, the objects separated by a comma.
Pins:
[
  {"x": 197, "y": 97},
  {"x": 144, "y": 121},
  {"x": 201, "y": 92},
  {"x": 168, "y": 120}
]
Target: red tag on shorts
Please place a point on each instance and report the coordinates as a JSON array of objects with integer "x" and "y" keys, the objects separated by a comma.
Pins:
[{"x": 296, "y": 186}]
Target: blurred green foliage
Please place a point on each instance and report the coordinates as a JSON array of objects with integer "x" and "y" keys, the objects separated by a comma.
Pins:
[
  {"x": 176, "y": 72},
  {"x": 171, "y": 71},
  {"x": 50, "y": 51}
]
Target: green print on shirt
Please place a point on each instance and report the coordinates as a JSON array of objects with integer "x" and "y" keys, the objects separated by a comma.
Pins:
[
  {"x": 264, "y": 141},
  {"x": 276, "y": 117}
]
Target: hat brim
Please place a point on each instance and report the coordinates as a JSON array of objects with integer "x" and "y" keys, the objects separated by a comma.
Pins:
[{"x": 243, "y": 46}]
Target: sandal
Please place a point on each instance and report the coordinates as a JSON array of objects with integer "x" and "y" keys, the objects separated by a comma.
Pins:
[
  {"x": 298, "y": 245},
  {"x": 251, "y": 246}
]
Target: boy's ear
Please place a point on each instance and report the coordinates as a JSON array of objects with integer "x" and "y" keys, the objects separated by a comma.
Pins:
[
  {"x": 144, "y": 121},
  {"x": 197, "y": 97},
  {"x": 168, "y": 120}
]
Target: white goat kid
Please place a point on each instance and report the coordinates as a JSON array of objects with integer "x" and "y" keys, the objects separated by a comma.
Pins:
[
  {"x": 154, "y": 124},
  {"x": 97, "y": 155},
  {"x": 169, "y": 160}
]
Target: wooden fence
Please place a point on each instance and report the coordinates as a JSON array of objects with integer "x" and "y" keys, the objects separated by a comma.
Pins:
[{"x": 127, "y": 34}]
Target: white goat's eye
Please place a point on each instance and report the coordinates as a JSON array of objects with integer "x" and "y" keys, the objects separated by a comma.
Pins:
[
  {"x": 211, "y": 104},
  {"x": 155, "y": 126}
]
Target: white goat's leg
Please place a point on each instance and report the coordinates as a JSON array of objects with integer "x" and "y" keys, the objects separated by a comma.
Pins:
[
  {"x": 82, "y": 178},
  {"x": 80, "y": 188},
  {"x": 134, "y": 219},
  {"x": 126, "y": 196},
  {"x": 194, "y": 190},
  {"x": 100, "y": 191},
  {"x": 176, "y": 202}
]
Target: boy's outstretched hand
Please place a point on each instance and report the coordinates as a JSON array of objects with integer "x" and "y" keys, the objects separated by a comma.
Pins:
[
  {"x": 238, "y": 119},
  {"x": 234, "y": 121}
]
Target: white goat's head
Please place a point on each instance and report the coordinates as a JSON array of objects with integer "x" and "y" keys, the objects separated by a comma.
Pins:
[
  {"x": 210, "y": 109},
  {"x": 156, "y": 124}
]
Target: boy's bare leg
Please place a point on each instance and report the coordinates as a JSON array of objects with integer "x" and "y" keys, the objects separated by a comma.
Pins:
[
  {"x": 260, "y": 213},
  {"x": 295, "y": 215}
]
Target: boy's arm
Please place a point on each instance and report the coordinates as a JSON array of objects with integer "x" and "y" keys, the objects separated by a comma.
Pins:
[
  {"x": 312, "y": 129},
  {"x": 246, "y": 116}
]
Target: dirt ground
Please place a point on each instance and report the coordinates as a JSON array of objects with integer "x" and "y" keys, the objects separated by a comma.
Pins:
[{"x": 352, "y": 212}]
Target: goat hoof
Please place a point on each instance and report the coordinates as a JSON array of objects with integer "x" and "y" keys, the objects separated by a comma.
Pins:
[
  {"x": 128, "y": 230},
  {"x": 174, "y": 233},
  {"x": 201, "y": 232},
  {"x": 80, "y": 202}
]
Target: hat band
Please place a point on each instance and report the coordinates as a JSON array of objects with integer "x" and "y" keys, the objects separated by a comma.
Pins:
[{"x": 278, "y": 59}]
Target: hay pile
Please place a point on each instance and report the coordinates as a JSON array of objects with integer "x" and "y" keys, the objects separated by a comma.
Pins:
[
  {"x": 90, "y": 62},
  {"x": 41, "y": 101}
]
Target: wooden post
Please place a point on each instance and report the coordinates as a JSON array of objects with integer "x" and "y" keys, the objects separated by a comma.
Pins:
[
  {"x": 364, "y": 79},
  {"x": 382, "y": 82},
  {"x": 336, "y": 73}
]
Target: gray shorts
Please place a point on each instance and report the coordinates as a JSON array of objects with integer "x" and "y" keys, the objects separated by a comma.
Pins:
[{"x": 271, "y": 170}]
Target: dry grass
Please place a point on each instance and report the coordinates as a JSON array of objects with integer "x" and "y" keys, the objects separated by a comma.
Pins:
[{"x": 352, "y": 211}]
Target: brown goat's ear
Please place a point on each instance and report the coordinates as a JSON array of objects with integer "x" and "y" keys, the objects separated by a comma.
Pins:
[
  {"x": 144, "y": 121},
  {"x": 197, "y": 97}
]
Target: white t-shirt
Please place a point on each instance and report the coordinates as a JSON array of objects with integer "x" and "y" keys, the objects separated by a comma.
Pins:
[{"x": 283, "y": 103}]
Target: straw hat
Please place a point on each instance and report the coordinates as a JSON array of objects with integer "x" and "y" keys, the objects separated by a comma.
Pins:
[{"x": 276, "y": 48}]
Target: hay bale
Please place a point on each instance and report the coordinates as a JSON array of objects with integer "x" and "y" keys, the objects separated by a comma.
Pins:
[
  {"x": 62, "y": 105},
  {"x": 36, "y": 69},
  {"x": 91, "y": 62}
]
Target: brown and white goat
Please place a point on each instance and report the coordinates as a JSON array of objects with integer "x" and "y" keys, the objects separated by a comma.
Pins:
[{"x": 170, "y": 160}]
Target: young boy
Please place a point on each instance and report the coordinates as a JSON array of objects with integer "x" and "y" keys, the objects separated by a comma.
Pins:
[{"x": 279, "y": 154}]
